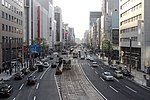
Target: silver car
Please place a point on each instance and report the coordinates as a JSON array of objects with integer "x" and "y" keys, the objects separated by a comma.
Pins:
[
  {"x": 94, "y": 64},
  {"x": 107, "y": 76},
  {"x": 118, "y": 74}
]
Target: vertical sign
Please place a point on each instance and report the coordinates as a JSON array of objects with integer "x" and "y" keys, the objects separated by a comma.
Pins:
[{"x": 38, "y": 18}]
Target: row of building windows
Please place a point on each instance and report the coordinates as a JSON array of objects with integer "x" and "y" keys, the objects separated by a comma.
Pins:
[
  {"x": 11, "y": 29},
  {"x": 126, "y": 4},
  {"x": 12, "y": 18},
  {"x": 127, "y": 39},
  {"x": 128, "y": 30},
  {"x": 13, "y": 40},
  {"x": 137, "y": 17},
  {"x": 11, "y": 7},
  {"x": 138, "y": 6}
]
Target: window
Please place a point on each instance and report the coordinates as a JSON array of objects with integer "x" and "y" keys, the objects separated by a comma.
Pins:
[
  {"x": 6, "y": 27},
  {"x": 6, "y": 4},
  {"x": 12, "y": 18},
  {"x": 3, "y": 27},
  {"x": 2, "y": 14},
  {"x": 9, "y": 28},
  {"x": 6, "y": 16},
  {"x": 9, "y": 17}
]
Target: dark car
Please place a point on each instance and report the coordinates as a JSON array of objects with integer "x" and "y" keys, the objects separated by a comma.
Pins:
[
  {"x": 5, "y": 89},
  {"x": 19, "y": 76},
  {"x": 126, "y": 72},
  {"x": 31, "y": 80},
  {"x": 53, "y": 65},
  {"x": 25, "y": 71}
]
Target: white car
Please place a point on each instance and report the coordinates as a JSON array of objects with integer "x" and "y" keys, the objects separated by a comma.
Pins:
[
  {"x": 82, "y": 57},
  {"x": 94, "y": 64},
  {"x": 46, "y": 64},
  {"x": 113, "y": 66},
  {"x": 107, "y": 76},
  {"x": 118, "y": 74},
  {"x": 91, "y": 59}
]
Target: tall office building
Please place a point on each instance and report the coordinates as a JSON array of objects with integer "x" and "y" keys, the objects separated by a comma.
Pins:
[
  {"x": 11, "y": 31},
  {"x": 134, "y": 33}
]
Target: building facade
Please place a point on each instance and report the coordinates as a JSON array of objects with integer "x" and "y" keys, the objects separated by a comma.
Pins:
[
  {"x": 11, "y": 32},
  {"x": 134, "y": 33}
]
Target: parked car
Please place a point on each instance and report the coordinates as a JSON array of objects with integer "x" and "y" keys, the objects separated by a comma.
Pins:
[
  {"x": 31, "y": 80},
  {"x": 88, "y": 57},
  {"x": 5, "y": 89},
  {"x": 126, "y": 72},
  {"x": 94, "y": 64},
  {"x": 19, "y": 76},
  {"x": 118, "y": 74},
  {"x": 25, "y": 71},
  {"x": 113, "y": 66},
  {"x": 107, "y": 76}
]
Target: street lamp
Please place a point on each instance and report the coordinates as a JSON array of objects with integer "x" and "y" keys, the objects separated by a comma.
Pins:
[
  {"x": 10, "y": 69},
  {"x": 130, "y": 52}
]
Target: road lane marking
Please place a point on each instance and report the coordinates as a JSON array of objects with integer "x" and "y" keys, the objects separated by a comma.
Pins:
[
  {"x": 131, "y": 89},
  {"x": 44, "y": 73},
  {"x": 37, "y": 86},
  {"x": 102, "y": 79},
  {"x": 92, "y": 67},
  {"x": 96, "y": 72},
  {"x": 93, "y": 85},
  {"x": 14, "y": 98},
  {"x": 33, "y": 72},
  {"x": 116, "y": 79},
  {"x": 102, "y": 68},
  {"x": 113, "y": 88},
  {"x": 34, "y": 98},
  {"x": 88, "y": 64},
  {"x": 21, "y": 86}
]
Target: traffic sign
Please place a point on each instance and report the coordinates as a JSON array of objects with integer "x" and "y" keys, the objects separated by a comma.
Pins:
[{"x": 35, "y": 48}]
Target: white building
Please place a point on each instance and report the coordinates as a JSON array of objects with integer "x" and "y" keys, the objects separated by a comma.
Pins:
[{"x": 134, "y": 27}]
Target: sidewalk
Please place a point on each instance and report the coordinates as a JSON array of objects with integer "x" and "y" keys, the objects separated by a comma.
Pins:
[
  {"x": 6, "y": 75},
  {"x": 138, "y": 76}
]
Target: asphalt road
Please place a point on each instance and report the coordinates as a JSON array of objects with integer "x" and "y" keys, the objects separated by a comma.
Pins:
[
  {"x": 44, "y": 89},
  {"x": 119, "y": 89}
]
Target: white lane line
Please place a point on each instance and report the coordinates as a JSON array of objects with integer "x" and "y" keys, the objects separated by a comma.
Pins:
[
  {"x": 96, "y": 72},
  {"x": 14, "y": 98},
  {"x": 113, "y": 88},
  {"x": 102, "y": 79},
  {"x": 37, "y": 86},
  {"x": 57, "y": 87},
  {"x": 131, "y": 89},
  {"x": 92, "y": 67},
  {"x": 102, "y": 68},
  {"x": 116, "y": 79},
  {"x": 44, "y": 73},
  {"x": 34, "y": 98},
  {"x": 21, "y": 86},
  {"x": 93, "y": 85},
  {"x": 88, "y": 64},
  {"x": 33, "y": 72}
]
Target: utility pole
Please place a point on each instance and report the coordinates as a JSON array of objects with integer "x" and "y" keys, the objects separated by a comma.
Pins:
[{"x": 130, "y": 52}]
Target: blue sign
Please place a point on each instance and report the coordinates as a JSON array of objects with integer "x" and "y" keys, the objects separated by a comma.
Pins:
[{"x": 35, "y": 48}]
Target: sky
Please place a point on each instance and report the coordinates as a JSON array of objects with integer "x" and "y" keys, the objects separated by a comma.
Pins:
[{"x": 76, "y": 13}]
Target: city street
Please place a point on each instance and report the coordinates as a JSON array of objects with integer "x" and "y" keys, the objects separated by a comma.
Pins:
[
  {"x": 123, "y": 89},
  {"x": 44, "y": 89}
]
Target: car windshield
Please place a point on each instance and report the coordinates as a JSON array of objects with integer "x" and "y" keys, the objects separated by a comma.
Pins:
[{"x": 107, "y": 73}]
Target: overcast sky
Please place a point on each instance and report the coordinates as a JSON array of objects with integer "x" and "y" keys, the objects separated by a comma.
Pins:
[{"x": 76, "y": 13}]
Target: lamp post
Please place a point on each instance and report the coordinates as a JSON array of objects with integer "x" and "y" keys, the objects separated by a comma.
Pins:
[
  {"x": 130, "y": 52},
  {"x": 10, "y": 69}
]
